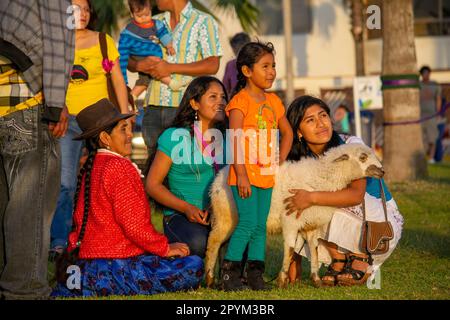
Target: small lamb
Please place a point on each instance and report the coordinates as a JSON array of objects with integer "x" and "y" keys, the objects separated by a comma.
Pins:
[{"x": 334, "y": 171}]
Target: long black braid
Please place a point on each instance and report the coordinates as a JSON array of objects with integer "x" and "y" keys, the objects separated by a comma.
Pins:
[
  {"x": 69, "y": 258},
  {"x": 248, "y": 56},
  {"x": 92, "y": 144}
]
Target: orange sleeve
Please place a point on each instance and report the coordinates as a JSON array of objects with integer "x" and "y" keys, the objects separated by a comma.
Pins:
[
  {"x": 277, "y": 105},
  {"x": 238, "y": 102}
]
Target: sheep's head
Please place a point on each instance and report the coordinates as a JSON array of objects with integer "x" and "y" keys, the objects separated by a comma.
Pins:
[{"x": 360, "y": 158}]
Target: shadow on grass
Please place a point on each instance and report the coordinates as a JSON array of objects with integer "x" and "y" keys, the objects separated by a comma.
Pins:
[
  {"x": 441, "y": 180},
  {"x": 439, "y": 173},
  {"x": 425, "y": 241}
]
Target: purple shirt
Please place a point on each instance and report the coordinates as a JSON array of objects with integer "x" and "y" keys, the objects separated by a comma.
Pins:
[{"x": 230, "y": 78}]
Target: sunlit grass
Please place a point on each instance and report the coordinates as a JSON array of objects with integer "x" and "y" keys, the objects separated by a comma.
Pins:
[{"x": 417, "y": 269}]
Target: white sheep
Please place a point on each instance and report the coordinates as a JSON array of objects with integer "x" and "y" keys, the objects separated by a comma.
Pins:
[{"x": 334, "y": 171}]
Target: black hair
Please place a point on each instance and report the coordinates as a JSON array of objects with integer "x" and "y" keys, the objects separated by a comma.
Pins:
[
  {"x": 238, "y": 41},
  {"x": 295, "y": 114},
  {"x": 343, "y": 106},
  {"x": 185, "y": 115},
  {"x": 92, "y": 25},
  {"x": 136, "y": 5},
  {"x": 248, "y": 56},
  {"x": 425, "y": 68}
]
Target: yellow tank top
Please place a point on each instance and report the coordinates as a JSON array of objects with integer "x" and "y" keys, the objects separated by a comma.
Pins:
[{"x": 88, "y": 81}]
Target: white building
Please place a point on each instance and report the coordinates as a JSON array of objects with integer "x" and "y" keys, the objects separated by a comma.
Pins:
[{"x": 324, "y": 48}]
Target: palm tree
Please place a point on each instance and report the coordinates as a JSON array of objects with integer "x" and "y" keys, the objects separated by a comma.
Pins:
[
  {"x": 111, "y": 11},
  {"x": 358, "y": 33},
  {"x": 404, "y": 157}
]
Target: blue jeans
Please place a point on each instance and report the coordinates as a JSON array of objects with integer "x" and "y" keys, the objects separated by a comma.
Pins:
[
  {"x": 70, "y": 157},
  {"x": 29, "y": 186},
  {"x": 178, "y": 228},
  {"x": 155, "y": 119},
  {"x": 439, "y": 154}
]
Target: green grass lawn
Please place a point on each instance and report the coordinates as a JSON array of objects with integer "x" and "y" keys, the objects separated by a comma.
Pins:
[{"x": 419, "y": 268}]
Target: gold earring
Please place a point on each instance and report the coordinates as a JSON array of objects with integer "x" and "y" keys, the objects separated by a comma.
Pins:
[{"x": 196, "y": 116}]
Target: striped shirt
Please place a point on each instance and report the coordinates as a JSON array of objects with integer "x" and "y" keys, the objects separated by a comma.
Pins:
[
  {"x": 135, "y": 41},
  {"x": 195, "y": 38},
  {"x": 39, "y": 29}
]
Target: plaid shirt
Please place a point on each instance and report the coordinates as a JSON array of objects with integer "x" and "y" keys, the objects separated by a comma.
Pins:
[
  {"x": 13, "y": 88},
  {"x": 39, "y": 29}
]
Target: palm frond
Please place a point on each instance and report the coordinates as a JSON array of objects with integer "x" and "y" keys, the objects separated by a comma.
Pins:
[
  {"x": 108, "y": 14},
  {"x": 110, "y": 11},
  {"x": 247, "y": 13}
]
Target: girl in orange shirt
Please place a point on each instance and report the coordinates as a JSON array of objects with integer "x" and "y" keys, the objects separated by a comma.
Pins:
[{"x": 255, "y": 119}]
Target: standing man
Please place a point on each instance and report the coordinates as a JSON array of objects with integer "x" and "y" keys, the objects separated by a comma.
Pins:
[
  {"x": 198, "y": 51},
  {"x": 36, "y": 55},
  {"x": 430, "y": 104}
]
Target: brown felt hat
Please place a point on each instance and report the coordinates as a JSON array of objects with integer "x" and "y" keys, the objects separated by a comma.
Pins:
[{"x": 97, "y": 117}]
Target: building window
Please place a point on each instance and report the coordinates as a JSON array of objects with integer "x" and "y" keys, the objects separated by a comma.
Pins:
[
  {"x": 431, "y": 18},
  {"x": 271, "y": 16}
]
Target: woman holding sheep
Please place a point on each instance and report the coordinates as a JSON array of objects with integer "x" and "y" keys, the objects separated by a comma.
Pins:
[
  {"x": 340, "y": 243},
  {"x": 257, "y": 114}
]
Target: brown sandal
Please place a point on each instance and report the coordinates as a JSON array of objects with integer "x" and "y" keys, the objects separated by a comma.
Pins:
[
  {"x": 332, "y": 273},
  {"x": 358, "y": 277}
]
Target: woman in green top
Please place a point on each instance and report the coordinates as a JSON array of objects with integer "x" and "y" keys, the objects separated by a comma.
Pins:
[{"x": 187, "y": 159}]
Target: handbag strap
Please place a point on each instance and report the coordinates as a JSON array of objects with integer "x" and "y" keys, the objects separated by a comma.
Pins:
[
  {"x": 383, "y": 201},
  {"x": 103, "y": 44}
]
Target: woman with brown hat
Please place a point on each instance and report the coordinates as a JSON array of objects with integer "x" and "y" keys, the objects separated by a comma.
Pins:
[
  {"x": 118, "y": 250},
  {"x": 88, "y": 84}
]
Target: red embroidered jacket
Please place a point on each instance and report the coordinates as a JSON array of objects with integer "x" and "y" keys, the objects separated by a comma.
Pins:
[{"x": 119, "y": 221}]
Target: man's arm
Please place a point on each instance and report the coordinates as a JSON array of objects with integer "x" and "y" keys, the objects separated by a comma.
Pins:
[
  {"x": 58, "y": 54},
  {"x": 209, "y": 46},
  {"x": 159, "y": 69}
]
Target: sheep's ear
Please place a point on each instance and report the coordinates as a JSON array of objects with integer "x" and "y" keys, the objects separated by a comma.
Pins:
[{"x": 342, "y": 158}]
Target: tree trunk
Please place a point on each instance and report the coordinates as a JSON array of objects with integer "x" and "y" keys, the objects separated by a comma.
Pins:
[
  {"x": 287, "y": 19},
  {"x": 358, "y": 36},
  {"x": 403, "y": 154}
]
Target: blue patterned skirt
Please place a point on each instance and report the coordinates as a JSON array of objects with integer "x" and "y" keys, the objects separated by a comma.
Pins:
[{"x": 143, "y": 275}]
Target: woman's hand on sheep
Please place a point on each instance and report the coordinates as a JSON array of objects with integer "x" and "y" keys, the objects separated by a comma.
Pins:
[
  {"x": 244, "y": 186},
  {"x": 178, "y": 249},
  {"x": 300, "y": 201},
  {"x": 196, "y": 215}
]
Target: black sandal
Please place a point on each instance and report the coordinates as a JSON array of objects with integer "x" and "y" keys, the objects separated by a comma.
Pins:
[
  {"x": 332, "y": 272},
  {"x": 358, "y": 277}
]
